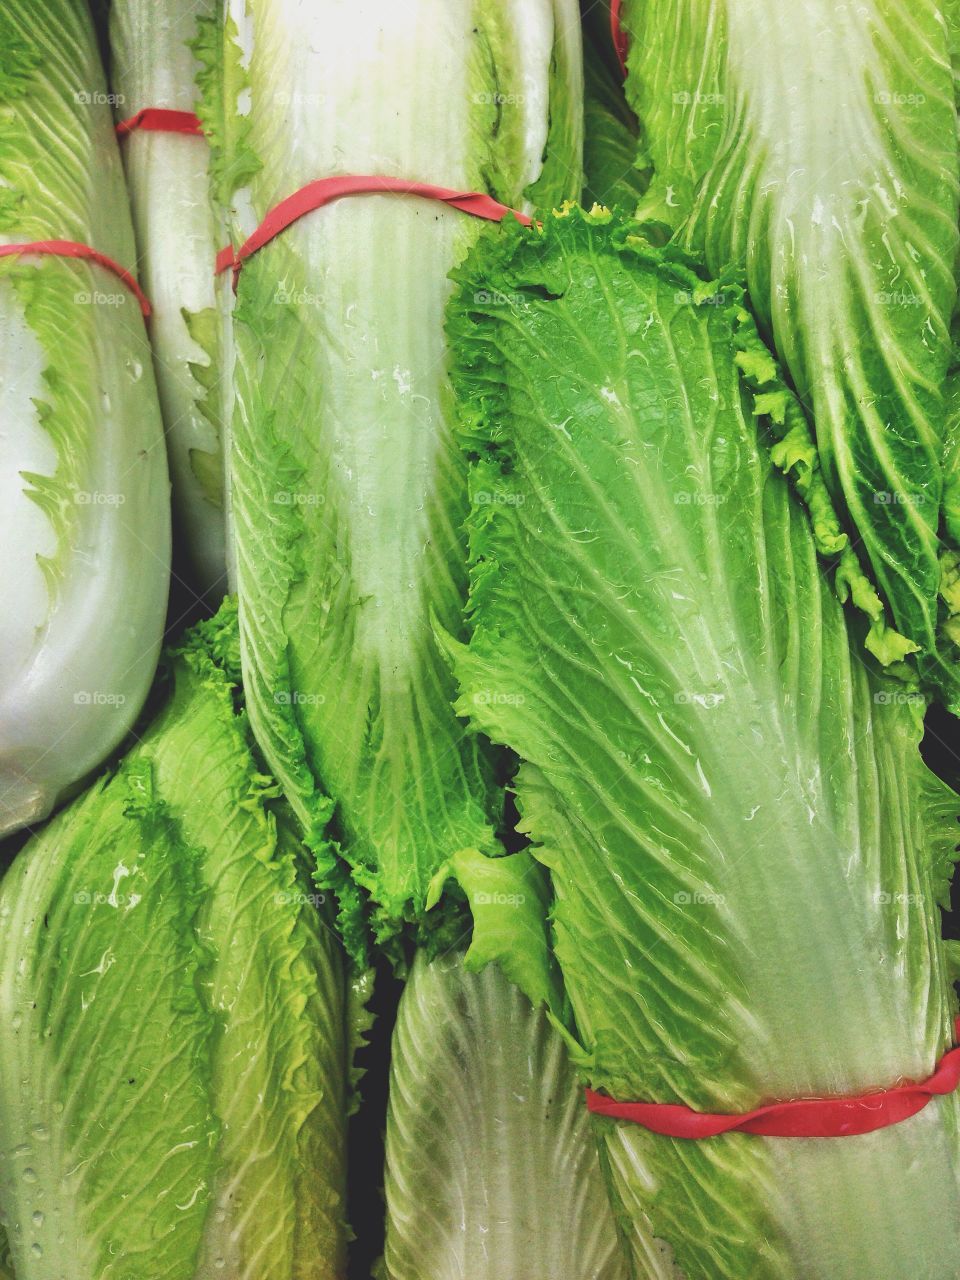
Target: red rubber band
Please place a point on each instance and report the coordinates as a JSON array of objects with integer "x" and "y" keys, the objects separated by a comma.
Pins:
[
  {"x": 225, "y": 259},
  {"x": 800, "y": 1118},
  {"x": 160, "y": 120},
  {"x": 71, "y": 249},
  {"x": 620, "y": 41},
  {"x": 325, "y": 190}
]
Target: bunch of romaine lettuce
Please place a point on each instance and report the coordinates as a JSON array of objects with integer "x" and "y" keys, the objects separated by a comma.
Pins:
[
  {"x": 589, "y": 582},
  {"x": 84, "y": 515},
  {"x": 745, "y": 850}
]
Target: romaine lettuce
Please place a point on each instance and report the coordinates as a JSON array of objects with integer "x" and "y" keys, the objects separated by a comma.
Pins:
[
  {"x": 347, "y": 492},
  {"x": 172, "y": 1044},
  {"x": 168, "y": 177},
  {"x": 745, "y": 849},
  {"x": 492, "y": 1169},
  {"x": 84, "y": 496},
  {"x": 820, "y": 155}
]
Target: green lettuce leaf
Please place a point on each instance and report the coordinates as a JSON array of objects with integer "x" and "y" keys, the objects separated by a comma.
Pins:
[
  {"x": 84, "y": 502},
  {"x": 491, "y": 1171},
  {"x": 745, "y": 849},
  {"x": 172, "y": 1017},
  {"x": 820, "y": 155},
  {"x": 509, "y": 900},
  {"x": 221, "y": 79},
  {"x": 347, "y": 493}
]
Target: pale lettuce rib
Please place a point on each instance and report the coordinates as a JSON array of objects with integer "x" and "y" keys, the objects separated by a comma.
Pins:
[
  {"x": 85, "y": 504},
  {"x": 152, "y": 65},
  {"x": 746, "y": 850},
  {"x": 347, "y": 492},
  {"x": 492, "y": 1171},
  {"x": 172, "y": 1018},
  {"x": 820, "y": 155}
]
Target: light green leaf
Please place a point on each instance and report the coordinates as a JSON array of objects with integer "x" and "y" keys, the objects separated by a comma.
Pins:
[
  {"x": 491, "y": 1168},
  {"x": 509, "y": 899},
  {"x": 221, "y": 82},
  {"x": 746, "y": 851},
  {"x": 208, "y": 470},
  {"x": 84, "y": 513},
  {"x": 347, "y": 492},
  {"x": 172, "y": 1018},
  {"x": 820, "y": 155}
]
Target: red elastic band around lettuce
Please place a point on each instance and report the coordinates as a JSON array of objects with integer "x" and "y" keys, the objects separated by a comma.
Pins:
[
  {"x": 160, "y": 120},
  {"x": 72, "y": 249},
  {"x": 325, "y": 190},
  {"x": 799, "y": 1118}
]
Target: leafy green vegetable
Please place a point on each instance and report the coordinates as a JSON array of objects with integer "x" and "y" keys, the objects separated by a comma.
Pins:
[
  {"x": 821, "y": 156},
  {"x": 172, "y": 1016},
  {"x": 517, "y": 936},
  {"x": 84, "y": 508},
  {"x": 153, "y": 66},
  {"x": 347, "y": 492},
  {"x": 491, "y": 1169},
  {"x": 745, "y": 849},
  {"x": 222, "y": 82}
]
